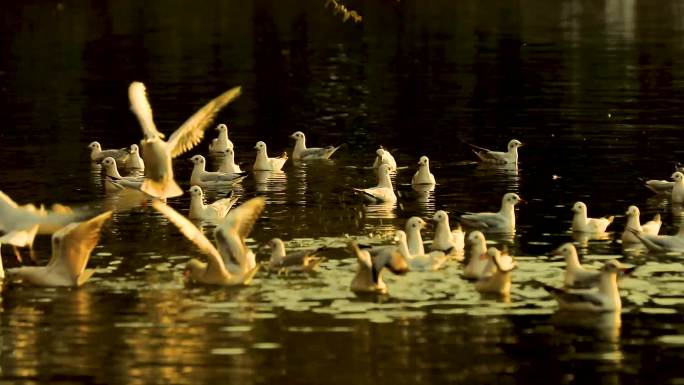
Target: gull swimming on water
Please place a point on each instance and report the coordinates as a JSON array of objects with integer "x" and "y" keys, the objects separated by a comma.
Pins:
[
  {"x": 662, "y": 243},
  {"x": 383, "y": 192},
  {"x": 226, "y": 264},
  {"x": 221, "y": 143},
  {"x": 499, "y": 282},
  {"x": 135, "y": 162},
  {"x": 581, "y": 223},
  {"x": 300, "y": 151},
  {"x": 498, "y": 157},
  {"x": 502, "y": 221},
  {"x": 446, "y": 239},
  {"x": 71, "y": 248},
  {"x": 211, "y": 212},
  {"x": 112, "y": 175},
  {"x": 201, "y": 177},
  {"x": 368, "y": 278},
  {"x": 228, "y": 163},
  {"x": 414, "y": 239},
  {"x": 264, "y": 163},
  {"x": 384, "y": 157},
  {"x": 678, "y": 188},
  {"x": 607, "y": 298},
  {"x": 423, "y": 175},
  {"x": 293, "y": 262},
  {"x": 431, "y": 261},
  {"x": 158, "y": 154},
  {"x": 478, "y": 261},
  {"x": 97, "y": 154},
  {"x": 651, "y": 227}
]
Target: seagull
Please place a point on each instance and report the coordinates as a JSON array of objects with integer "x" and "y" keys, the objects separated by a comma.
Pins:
[
  {"x": 300, "y": 151},
  {"x": 230, "y": 244},
  {"x": 678, "y": 188},
  {"x": 368, "y": 277},
  {"x": 158, "y": 153},
  {"x": 478, "y": 261},
  {"x": 576, "y": 276},
  {"x": 431, "y": 261},
  {"x": 383, "y": 192},
  {"x": 112, "y": 175},
  {"x": 384, "y": 157},
  {"x": 20, "y": 238},
  {"x": 662, "y": 243},
  {"x": 650, "y": 228},
  {"x": 264, "y": 163},
  {"x": 71, "y": 248},
  {"x": 659, "y": 186},
  {"x": 222, "y": 143},
  {"x": 498, "y": 157},
  {"x": 581, "y": 223},
  {"x": 294, "y": 262},
  {"x": 423, "y": 175},
  {"x": 135, "y": 162},
  {"x": 500, "y": 281},
  {"x": 211, "y": 212},
  {"x": 445, "y": 239},
  {"x": 607, "y": 298},
  {"x": 414, "y": 239},
  {"x": 97, "y": 154},
  {"x": 228, "y": 163},
  {"x": 201, "y": 177},
  {"x": 501, "y": 222}
]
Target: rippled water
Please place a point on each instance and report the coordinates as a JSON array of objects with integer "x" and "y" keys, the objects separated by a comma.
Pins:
[{"x": 593, "y": 89}]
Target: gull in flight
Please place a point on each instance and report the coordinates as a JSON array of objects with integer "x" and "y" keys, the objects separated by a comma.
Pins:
[
  {"x": 447, "y": 240},
  {"x": 113, "y": 176},
  {"x": 498, "y": 157},
  {"x": 501, "y": 222},
  {"x": 201, "y": 177},
  {"x": 383, "y": 192},
  {"x": 678, "y": 188},
  {"x": 221, "y": 143},
  {"x": 97, "y": 154},
  {"x": 651, "y": 227},
  {"x": 135, "y": 162},
  {"x": 368, "y": 278},
  {"x": 293, "y": 262},
  {"x": 158, "y": 154},
  {"x": 228, "y": 163},
  {"x": 431, "y": 261},
  {"x": 384, "y": 157},
  {"x": 498, "y": 282},
  {"x": 414, "y": 240},
  {"x": 228, "y": 261},
  {"x": 300, "y": 151},
  {"x": 211, "y": 212},
  {"x": 423, "y": 175},
  {"x": 478, "y": 261},
  {"x": 264, "y": 163},
  {"x": 607, "y": 298},
  {"x": 71, "y": 248},
  {"x": 581, "y": 223}
]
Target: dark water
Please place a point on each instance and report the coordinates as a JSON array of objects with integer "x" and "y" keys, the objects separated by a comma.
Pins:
[{"x": 595, "y": 90}]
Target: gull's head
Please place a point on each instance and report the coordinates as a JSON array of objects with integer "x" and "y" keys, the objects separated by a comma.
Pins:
[
  {"x": 514, "y": 144},
  {"x": 95, "y": 146},
  {"x": 108, "y": 162},
  {"x": 260, "y": 146},
  {"x": 579, "y": 207},
  {"x": 511, "y": 199},
  {"x": 440, "y": 216},
  {"x": 380, "y": 152},
  {"x": 222, "y": 128},
  {"x": 424, "y": 161},
  {"x": 194, "y": 269},
  {"x": 565, "y": 250},
  {"x": 196, "y": 191},
  {"x": 477, "y": 238},
  {"x": 632, "y": 210},
  {"x": 134, "y": 149},
  {"x": 677, "y": 176},
  {"x": 612, "y": 266},
  {"x": 229, "y": 152},
  {"x": 415, "y": 223},
  {"x": 198, "y": 160},
  {"x": 297, "y": 136},
  {"x": 384, "y": 169},
  {"x": 275, "y": 242}
]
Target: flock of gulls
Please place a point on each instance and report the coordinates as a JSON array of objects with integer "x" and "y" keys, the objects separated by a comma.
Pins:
[{"x": 229, "y": 261}]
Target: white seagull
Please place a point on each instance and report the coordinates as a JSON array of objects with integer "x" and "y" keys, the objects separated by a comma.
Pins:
[
  {"x": 228, "y": 163},
  {"x": 135, "y": 162},
  {"x": 498, "y": 282},
  {"x": 447, "y": 240},
  {"x": 368, "y": 278},
  {"x": 501, "y": 222},
  {"x": 659, "y": 186},
  {"x": 662, "y": 243},
  {"x": 423, "y": 175},
  {"x": 678, "y": 188},
  {"x": 384, "y": 157},
  {"x": 414, "y": 239},
  {"x": 498, "y": 157},
  {"x": 201, "y": 177},
  {"x": 226, "y": 264},
  {"x": 293, "y": 262},
  {"x": 221, "y": 143},
  {"x": 71, "y": 248},
  {"x": 211, "y": 212},
  {"x": 651, "y": 227},
  {"x": 431, "y": 261},
  {"x": 607, "y": 298},
  {"x": 158, "y": 154},
  {"x": 97, "y": 154},
  {"x": 383, "y": 192},
  {"x": 112, "y": 175},
  {"x": 583, "y": 224},
  {"x": 478, "y": 261},
  {"x": 264, "y": 163},
  {"x": 300, "y": 151}
]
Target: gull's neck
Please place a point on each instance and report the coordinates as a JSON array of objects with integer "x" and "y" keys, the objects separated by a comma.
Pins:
[
  {"x": 300, "y": 145},
  {"x": 608, "y": 287},
  {"x": 416, "y": 240},
  {"x": 513, "y": 153},
  {"x": 278, "y": 252},
  {"x": 402, "y": 246},
  {"x": 572, "y": 262},
  {"x": 196, "y": 203},
  {"x": 442, "y": 232},
  {"x": 579, "y": 220},
  {"x": 384, "y": 180},
  {"x": 112, "y": 171},
  {"x": 477, "y": 249},
  {"x": 508, "y": 212},
  {"x": 633, "y": 222},
  {"x": 223, "y": 137}
]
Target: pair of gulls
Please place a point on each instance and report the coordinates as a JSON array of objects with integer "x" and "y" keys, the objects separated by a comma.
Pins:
[{"x": 126, "y": 157}]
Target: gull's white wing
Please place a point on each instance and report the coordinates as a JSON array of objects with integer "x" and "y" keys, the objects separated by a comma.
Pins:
[
  {"x": 484, "y": 220},
  {"x": 230, "y": 234},
  {"x": 192, "y": 131},
  {"x": 72, "y": 245},
  {"x": 142, "y": 110}
]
